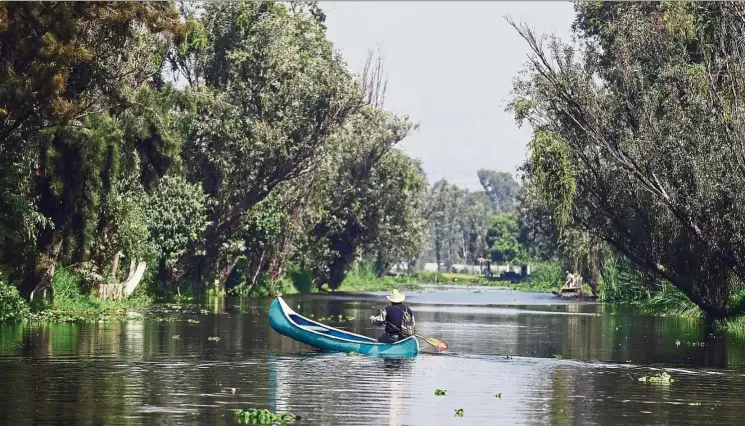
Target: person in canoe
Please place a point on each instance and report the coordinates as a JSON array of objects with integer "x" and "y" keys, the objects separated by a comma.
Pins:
[{"x": 397, "y": 317}]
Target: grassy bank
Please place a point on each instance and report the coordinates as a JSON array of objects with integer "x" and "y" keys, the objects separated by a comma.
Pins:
[
  {"x": 543, "y": 280},
  {"x": 69, "y": 304}
]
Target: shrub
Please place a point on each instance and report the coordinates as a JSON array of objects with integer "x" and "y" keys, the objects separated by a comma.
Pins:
[
  {"x": 12, "y": 305},
  {"x": 302, "y": 280},
  {"x": 548, "y": 275}
]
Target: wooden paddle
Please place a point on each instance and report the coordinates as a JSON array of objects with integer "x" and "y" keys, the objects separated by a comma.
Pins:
[{"x": 440, "y": 345}]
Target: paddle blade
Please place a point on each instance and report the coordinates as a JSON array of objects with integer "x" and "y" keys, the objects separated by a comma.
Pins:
[{"x": 441, "y": 345}]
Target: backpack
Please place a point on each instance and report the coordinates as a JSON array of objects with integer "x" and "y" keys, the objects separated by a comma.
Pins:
[{"x": 408, "y": 328}]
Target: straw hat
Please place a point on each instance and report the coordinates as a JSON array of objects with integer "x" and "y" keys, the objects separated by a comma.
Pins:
[{"x": 396, "y": 297}]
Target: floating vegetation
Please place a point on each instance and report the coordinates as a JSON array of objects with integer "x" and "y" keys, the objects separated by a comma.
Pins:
[
  {"x": 499, "y": 395},
  {"x": 440, "y": 392},
  {"x": 459, "y": 412},
  {"x": 340, "y": 318},
  {"x": 176, "y": 337},
  {"x": 213, "y": 339},
  {"x": 192, "y": 321},
  {"x": 264, "y": 417},
  {"x": 662, "y": 378}
]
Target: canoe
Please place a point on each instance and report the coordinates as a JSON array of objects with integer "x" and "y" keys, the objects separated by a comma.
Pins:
[{"x": 289, "y": 323}]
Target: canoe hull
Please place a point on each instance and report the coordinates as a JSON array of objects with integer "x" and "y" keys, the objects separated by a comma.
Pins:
[{"x": 288, "y": 323}]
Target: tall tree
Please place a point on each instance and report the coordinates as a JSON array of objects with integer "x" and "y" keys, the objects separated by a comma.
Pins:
[
  {"x": 638, "y": 141},
  {"x": 273, "y": 92},
  {"x": 501, "y": 190},
  {"x": 502, "y": 239},
  {"x": 370, "y": 196},
  {"x": 69, "y": 72}
]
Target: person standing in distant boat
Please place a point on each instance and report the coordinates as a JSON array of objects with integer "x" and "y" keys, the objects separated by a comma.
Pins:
[{"x": 398, "y": 319}]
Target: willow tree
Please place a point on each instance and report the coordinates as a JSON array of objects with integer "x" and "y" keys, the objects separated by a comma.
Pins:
[
  {"x": 69, "y": 70},
  {"x": 638, "y": 138},
  {"x": 268, "y": 92},
  {"x": 371, "y": 199}
]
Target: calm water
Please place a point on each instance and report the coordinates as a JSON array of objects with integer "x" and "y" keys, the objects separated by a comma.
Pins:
[{"x": 553, "y": 361}]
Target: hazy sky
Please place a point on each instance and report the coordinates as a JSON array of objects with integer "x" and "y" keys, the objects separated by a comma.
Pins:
[{"x": 450, "y": 66}]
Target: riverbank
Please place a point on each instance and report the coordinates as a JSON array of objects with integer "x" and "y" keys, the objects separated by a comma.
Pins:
[{"x": 70, "y": 305}]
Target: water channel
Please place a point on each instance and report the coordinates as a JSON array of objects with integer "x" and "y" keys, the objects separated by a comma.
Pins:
[{"x": 553, "y": 362}]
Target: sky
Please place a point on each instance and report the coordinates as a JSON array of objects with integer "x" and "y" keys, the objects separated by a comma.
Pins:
[{"x": 450, "y": 67}]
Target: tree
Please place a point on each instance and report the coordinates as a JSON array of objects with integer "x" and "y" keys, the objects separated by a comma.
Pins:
[
  {"x": 501, "y": 189},
  {"x": 638, "y": 141},
  {"x": 372, "y": 196},
  {"x": 475, "y": 223},
  {"x": 445, "y": 209},
  {"x": 271, "y": 92},
  {"x": 69, "y": 72},
  {"x": 502, "y": 239}
]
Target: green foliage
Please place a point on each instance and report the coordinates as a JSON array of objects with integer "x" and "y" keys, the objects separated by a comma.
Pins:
[
  {"x": 12, "y": 306},
  {"x": 440, "y": 392},
  {"x": 500, "y": 188},
  {"x": 670, "y": 301},
  {"x": 372, "y": 201},
  {"x": 176, "y": 214},
  {"x": 273, "y": 92},
  {"x": 502, "y": 239},
  {"x": 69, "y": 300},
  {"x": 255, "y": 416},
  {"x": 302, "y": 280},
  {"x": 622, "y": 283},
  {"x": 547, "y": 276},
  {"x": 634, "y": 141},
  {"x": 274, "y": 153},
  {"x": 661, "y": 378},
  {"x": 365, "y": 279},
  {"x": 553, "y": 174},
  {"x": 458, "y": 222}
]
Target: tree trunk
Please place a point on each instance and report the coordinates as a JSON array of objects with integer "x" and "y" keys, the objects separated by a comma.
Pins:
[
  {"x": 258, "y": 267},
  {"x": 115, "y": 267},
  {"x": 223, "y": 275},
  {"x": 42, "y": 275},
  {"x": 120, "y": 291},
  {"x": 134, "y": 280},
  {"x": 40, "y": 269}
]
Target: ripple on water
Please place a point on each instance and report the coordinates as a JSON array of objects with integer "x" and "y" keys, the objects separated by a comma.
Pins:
[{"x": 551, "y": 364}]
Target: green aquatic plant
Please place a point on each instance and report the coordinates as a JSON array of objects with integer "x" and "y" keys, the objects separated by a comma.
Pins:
[
  {"x": 459, "y": 412},
  {"x": 192, "y": 321},
  {"x": 213, "y": 339},
  {"x": 499, "y": 395},
  {"x": 440, "y": 392},
  {"x": 176, "y": 337},
  {"x": 254, "y": 416},
  {"x": 339, "y": 318},
  {"x": 662, "y": 378}
]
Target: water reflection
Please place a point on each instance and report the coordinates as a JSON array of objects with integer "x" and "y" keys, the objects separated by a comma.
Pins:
[{"x": 552, "y": 364}]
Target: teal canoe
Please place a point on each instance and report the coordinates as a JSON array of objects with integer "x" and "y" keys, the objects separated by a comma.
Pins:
[{"x": 289, "y": 323}]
